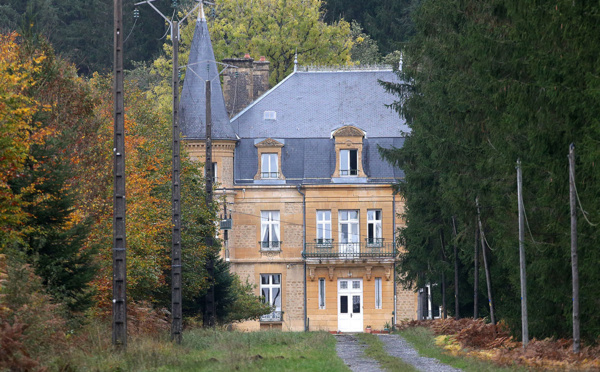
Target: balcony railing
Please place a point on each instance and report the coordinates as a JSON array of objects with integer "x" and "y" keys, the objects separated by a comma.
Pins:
[
  {"x": 371, "y": 248},
  {"x": 374, "y": 242},
  {"x": 275, "y": 316},
  {"x": 270, "y": 245}
]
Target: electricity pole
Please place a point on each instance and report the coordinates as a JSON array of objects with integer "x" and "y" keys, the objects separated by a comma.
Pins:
[
  {"x": 209, "y": 299},
  {"x": 524, "y": 320},
  {"x": 176, "y": 277},
  {"x": 119, "y": 306},
  {"x": 574, "y": 264}
]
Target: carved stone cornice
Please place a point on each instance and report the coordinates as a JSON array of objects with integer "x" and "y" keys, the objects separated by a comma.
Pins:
[
  {"x": 348, "y": 131},
  {"x": 269, "y": 142}
]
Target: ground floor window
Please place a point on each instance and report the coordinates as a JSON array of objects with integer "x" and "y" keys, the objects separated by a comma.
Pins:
[
  {"x": 321, "y": 293},
  {"x": 270, "y": 290},
  {"x": 378, "y": 301}
]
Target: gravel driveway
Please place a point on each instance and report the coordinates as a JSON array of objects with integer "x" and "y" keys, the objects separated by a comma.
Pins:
[{"x": 352, "y": 353}]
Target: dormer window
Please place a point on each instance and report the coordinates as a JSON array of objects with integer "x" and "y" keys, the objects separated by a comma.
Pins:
[
  {"x": 348, "y": 152},
  {"x": 269, "y": 161},
  {"x": 348, "y": 162},
  {"x": 269, "y": 168}
]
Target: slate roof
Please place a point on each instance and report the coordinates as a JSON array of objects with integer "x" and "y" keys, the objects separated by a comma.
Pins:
[
  {"x": 311, "y": 104},
  {"x": 312, "y": 160},
  {"x": 192, "y": 107}
]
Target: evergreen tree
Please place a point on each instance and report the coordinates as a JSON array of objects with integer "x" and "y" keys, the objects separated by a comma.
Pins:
[{"x": 487, "y": 83}]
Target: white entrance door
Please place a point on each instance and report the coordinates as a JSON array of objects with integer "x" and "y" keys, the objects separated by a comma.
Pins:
[
  {"x": 350, "y": 305},
  {"x": 349, "y": 234}
]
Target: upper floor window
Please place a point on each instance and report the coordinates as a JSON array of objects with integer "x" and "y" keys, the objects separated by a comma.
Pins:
[
  {"x": 348, "y": 162},
  {"x": 269, "y": 166},
  {"x": 374, "y": 230},
  {"x": 269, "y": 230},
  {"x": 214, "y": 172},
  {"x": 324, "y": 227}
]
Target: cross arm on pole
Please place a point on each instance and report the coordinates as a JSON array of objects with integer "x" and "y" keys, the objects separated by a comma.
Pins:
[{"x": 149, "y": 2}]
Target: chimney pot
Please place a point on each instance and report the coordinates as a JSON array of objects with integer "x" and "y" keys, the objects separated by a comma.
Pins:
[
  {"x": 247, "y": 55},
  {"x": 262, "y": 58}
]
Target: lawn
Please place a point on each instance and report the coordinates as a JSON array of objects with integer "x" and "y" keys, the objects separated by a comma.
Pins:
[{"x": 213, "y": 350}]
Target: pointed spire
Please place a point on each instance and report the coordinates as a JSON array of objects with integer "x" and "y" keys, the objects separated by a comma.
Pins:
[
  {"x": 201, "y": 17},
  {"x": 200, "y": 68}
]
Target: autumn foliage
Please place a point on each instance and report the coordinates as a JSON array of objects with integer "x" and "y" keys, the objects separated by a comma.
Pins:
[{"x": 478, "y": 339}]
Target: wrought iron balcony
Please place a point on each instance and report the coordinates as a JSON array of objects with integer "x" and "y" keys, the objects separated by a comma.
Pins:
[
  {"x": 275, "y": 316},
  {"x": 374, "y": 242},
  {"x": 370, "y": 248},
  {"x": 270, "y": 245}
]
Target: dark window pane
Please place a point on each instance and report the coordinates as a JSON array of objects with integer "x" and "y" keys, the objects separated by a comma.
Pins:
[
  {"x": 264, "y": 279},
  {"x": 344, "y": 304},
  {"x": 353, "y": 159},
  {"x": 356, "y": 304}
]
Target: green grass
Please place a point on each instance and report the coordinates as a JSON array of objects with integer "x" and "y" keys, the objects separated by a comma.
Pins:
[
  {"x": 423, "y": 340},
  {"x": 375, "y": 349},
  {"x": 211, "y": 350}
]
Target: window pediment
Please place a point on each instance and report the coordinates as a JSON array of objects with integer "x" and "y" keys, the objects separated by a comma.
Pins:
[
  {"x": 269, "y": 142},
  {"x": 348, "y": 131}
]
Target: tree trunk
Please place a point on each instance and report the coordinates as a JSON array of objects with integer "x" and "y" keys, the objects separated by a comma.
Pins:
[
  {"x": 455, "y": 246},
  {"x": 488, "y": 278},
  {"x": 476, "y": 275},
  {"x": 574, "y": 264}
]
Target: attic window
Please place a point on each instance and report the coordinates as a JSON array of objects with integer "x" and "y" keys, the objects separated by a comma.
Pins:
[{"x": 270, "y": 115}]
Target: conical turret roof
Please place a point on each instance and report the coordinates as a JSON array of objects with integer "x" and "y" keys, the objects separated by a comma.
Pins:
[{"x": 192, "y": 107}]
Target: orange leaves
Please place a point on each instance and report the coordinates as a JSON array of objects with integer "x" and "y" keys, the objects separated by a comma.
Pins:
[
  {"x": 18, "y": 131},
  {"x": 475, "y": 338}
]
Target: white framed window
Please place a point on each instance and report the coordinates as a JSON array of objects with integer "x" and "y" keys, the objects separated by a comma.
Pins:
[
  {"x": 269, "y": 230},
  {"x": 324, "y": 228},
  {"x": 270, "y": 290},
  {"x": 321, "y": 293},
  {"x": 374, "y": 229},
  {"x": 348, "y": 163},
  {"x": 348, "y": 221},
  {"x": 268, "y": 166},
  {"x": 378, "y": 301},
  {"x": 214, "y": 172}
]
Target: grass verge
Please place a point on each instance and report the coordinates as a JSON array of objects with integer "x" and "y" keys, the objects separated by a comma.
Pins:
[
  {"x": 423, "y": 340},
  {"x": 211, "y": 350},
  {"x": 375, "y": 349}
]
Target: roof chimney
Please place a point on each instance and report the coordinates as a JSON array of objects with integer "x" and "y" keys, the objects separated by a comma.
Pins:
[{"x": 247, "y": 55}]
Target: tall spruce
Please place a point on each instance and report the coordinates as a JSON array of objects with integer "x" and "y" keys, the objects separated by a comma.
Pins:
[{"x": 487, "y": 83}]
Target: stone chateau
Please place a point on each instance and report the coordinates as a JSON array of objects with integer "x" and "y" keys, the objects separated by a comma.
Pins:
[{"x": 312, "y": 206}]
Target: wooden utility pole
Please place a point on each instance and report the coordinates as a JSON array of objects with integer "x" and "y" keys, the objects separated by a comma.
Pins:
[
  {"x": 176, "y": 277},
  {"x": 476, "y": 274},
  {"x": 524, "y": 321},
  {"x": 486, "y": 265},
  {"x": 574, "y": 264},
  {"x": 119, "y": 307},
  {"x": 209, "y": 299},
  {"x": 455, "y": 246}
]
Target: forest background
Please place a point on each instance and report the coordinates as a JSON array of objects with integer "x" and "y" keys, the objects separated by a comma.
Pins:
[
  {"x": 56, "y": 145},
  {"x": 485, "y": 84}
]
